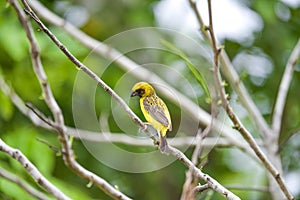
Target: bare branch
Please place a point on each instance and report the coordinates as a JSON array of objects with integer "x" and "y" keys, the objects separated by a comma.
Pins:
[
  {"x": 188, "y": 189},
  {"x": 236, "y": 122},
  {"x": 32, "y": 171},
  {"x": 214, "y": 112},
  {"x": 233, "y": 78},
  {"x": 201, "y": 188},
  {"x": 272, "y": 142},
  {"x": 26, "y": 186},
  {"x": 19, "y": 103},
  {"x": 283, "y": 89},
  {"x": 190, "y": 182},
  {"x": 212, "y": 183},
  {"x": 41, "y": 75}
]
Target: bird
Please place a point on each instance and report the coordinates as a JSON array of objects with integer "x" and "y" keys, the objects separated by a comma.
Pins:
[{"x": 155, "y": 111}]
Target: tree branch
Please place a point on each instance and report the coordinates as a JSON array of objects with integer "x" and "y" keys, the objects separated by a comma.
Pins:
[
  {"x": 27, "y": 187},
  {"x": 212, "y": 183},
  {"x": 236, "y": 122},
  {"x": 233, "y": 78},
  {"x": 201, "y": 188},
  {"x": 283, "y": 89},
  {"x": 188, "y": 191},
  {"x": 32, "y": 171},
  {"x": 272, "y": 142}
]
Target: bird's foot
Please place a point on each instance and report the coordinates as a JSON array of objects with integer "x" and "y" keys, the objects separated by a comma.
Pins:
[
  {"x": 146, "y": 124},
  {"x": 151, "y": 132},
  {"x": 164, "y": 149}
]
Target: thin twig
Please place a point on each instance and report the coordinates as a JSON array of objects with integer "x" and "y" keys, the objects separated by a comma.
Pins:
[
  {"x": 233, "y": 78},
  {"x": 284, "y": 88},
  {"x": 212, "y": 183},
  {"x": 190, "y": 182},
  {"x": 40, "y": 115},
  {"x": 175, "y": 152},
  {"x": 286, "y": 140},
  {"x": 201, "y": 188},
  {"x": 19, "y": 103},
  {"x": 23, "y": 184},
  {"x": 41, "y": 75},
  {"x": 236, "y": 122},
  {"x": 272, "y": 142},
  {"x": 188, "y": 190},
  {"x": 32, "y": 170}
]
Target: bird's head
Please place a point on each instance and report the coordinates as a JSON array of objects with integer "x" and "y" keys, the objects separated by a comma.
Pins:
[{"x": 142, "y": 89}]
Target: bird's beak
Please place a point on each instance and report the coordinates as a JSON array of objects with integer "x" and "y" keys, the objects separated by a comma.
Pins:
[{"x": 133, "y": 93}]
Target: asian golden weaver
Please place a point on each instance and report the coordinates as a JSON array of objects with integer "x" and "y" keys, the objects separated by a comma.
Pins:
[{"x": 154, "y": 110}]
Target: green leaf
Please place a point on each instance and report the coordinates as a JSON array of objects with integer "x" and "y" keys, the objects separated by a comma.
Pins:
[{"x": 193, "y": 69}]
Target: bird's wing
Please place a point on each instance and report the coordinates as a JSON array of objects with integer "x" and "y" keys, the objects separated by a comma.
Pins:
[{"x": 155, "y": 108}]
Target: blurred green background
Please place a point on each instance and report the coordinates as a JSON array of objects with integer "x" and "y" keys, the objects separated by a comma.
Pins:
[{"x": 259, "y": 57}]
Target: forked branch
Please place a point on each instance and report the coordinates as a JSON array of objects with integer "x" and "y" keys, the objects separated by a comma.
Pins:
[
  {"x": 32, "y": 170},
  {"x": 235, "y": 120}
]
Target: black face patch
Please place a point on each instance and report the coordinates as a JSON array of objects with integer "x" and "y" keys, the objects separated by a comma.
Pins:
[{"x": 140, "y": 92}]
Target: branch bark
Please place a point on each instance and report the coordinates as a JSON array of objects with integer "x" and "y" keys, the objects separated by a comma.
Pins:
[
  {"x": 272, "y": 142},
  {"x": 32, "y": 171},
  {"x": 284, "y": 88},
  {"x": 190, "y": 184},
  {"x": 212, "y": 183},
  {"x": 236, "y": 122},
  {"x": 26, "y": 186},
  {"x": 233, "y": 78}
]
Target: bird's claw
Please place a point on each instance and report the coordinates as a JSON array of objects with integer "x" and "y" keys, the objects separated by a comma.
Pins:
[
  {"x": 150, "y": 132},
  {"x": 146, "y": 124},
  {"x": 164, "y": 149}
]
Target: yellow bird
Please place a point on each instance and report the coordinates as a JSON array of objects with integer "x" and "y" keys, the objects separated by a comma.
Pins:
[{"x": 154, "y": 110}]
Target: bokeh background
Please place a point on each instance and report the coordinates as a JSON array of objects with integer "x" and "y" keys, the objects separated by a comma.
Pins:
[{"x": 258, "y": 37}]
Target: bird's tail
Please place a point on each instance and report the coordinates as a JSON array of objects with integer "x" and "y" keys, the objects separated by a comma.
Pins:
[{"x": 163, "y": 145}]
